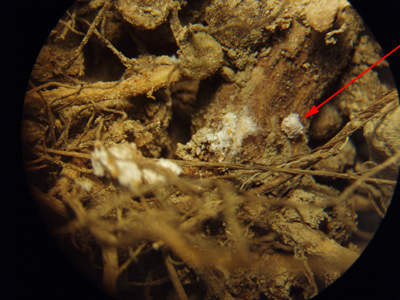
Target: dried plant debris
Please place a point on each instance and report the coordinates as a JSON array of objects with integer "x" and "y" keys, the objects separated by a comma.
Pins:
[
  {"x": 144, "y": 14},
  {"x": 164, "y": 144}
]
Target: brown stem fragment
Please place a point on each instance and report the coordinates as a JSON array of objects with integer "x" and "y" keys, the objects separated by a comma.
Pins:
[
  {"x": 110, "y": 272},
  {"x": 175, "y": 279},
  {"x": 89, "y": 33},
  {"x": 135, "y": 85}
]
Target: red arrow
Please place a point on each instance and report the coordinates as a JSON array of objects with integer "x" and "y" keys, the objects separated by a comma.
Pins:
[{"x": 314, "y": 109}]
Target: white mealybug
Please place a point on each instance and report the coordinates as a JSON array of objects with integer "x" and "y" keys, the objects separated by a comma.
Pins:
[{"x": 292, "y": 126}]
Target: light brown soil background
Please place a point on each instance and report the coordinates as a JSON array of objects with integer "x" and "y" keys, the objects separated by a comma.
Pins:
[{"x": 254, "y": 213}]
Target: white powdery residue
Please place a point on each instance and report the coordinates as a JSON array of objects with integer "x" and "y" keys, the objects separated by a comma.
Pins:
[
  {"x": 129, "y": 174},
  {"x": 210, "y": 136},
  {"x": 229, "y": 121},
  {"x": 232, "y": 132},
  {"x": 151, "y": 177},
  {"x": 224, "y": 139},
  {"x": 207, "y": 135},
  {"x": 218, "y": 141},
  {"x": 292, "y": 126},
  {"x": 167, "y": 164},
  {"x": 244, "y": 128}
]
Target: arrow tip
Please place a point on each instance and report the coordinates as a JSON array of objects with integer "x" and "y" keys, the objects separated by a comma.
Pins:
[{"x": 312, "y": 111}]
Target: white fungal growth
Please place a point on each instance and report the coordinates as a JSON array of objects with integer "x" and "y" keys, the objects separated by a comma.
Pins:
[
  {"x": 292, "y": 126},
  {"x": 223, "y": 139},
  {"x": 231, "y": 134},
  {"x": 244, "y": 127}
]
